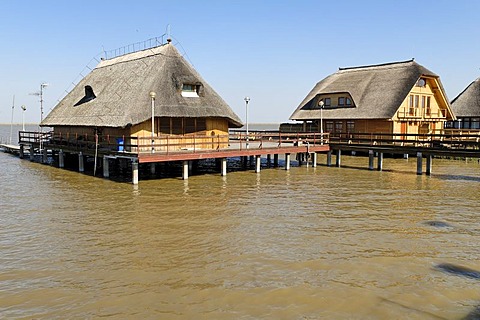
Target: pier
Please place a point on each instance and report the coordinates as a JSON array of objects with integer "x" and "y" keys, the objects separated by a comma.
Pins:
[{"x": 108, "y": 151}]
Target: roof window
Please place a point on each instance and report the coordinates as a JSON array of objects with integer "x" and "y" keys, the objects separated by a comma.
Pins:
[
  {"x": 190, "y": 90},
  {"x": 89, "y": 96}
]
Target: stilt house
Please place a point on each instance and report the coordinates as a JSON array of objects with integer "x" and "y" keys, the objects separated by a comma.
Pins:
[
  {"x": 466, "y": 107},
  {"x": 115, "y": 102},
  {"x": 393, "y": 98}
]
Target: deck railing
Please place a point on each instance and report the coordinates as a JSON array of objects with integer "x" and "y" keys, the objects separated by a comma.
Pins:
[
  {"x": 428, "y": 140},
  {"x": 235, "y": 140}
]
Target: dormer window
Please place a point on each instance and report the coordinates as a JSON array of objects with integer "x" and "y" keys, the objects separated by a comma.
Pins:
[{"x": 190, "y": 90}]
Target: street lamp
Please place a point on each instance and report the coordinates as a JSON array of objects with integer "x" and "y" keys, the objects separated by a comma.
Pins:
[
  {"x": 247, "y": 100},
  {"x": 23, "y": 116},
  {"x": 152, "y": 96},
  {"x": 321, "y": 104}
]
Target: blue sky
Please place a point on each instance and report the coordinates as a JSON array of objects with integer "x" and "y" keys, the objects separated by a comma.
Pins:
[{"x": 272, "y": 51}]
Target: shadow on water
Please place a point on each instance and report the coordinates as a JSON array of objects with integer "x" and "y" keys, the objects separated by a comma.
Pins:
[
  {"x": 466, "y": 273},
  {"x": 450, "y": 177}
]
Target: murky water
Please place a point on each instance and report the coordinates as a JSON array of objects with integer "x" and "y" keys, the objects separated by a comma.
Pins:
[{"x": 310, "y": 243}]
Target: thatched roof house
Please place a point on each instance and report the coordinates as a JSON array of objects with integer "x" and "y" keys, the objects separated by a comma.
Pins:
[
  {"x": 114, "y": 99},
  {"x": 372, "y": 98},
  {"x": 466, "y": 106}
]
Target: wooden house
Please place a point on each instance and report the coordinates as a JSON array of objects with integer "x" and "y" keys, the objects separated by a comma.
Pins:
[
  {"x": 114, "y": 102},
  {"x": 393, "y": 98},
  {"x": 466, "y": 107}
]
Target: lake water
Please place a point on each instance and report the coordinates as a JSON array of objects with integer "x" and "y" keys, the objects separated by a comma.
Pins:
[{"x": 309, "y": 243}]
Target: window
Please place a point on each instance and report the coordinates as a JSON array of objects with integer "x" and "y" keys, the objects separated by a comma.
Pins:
[
  {"x": 421, "y": 82},
  {"x": 415, "y": 102},
  {"x": 338, "y": 126},
  {"x": 348, "y": 101},
  {"x": 428, "y": 111},
  {"x": 341, "y": 101},
  {"x": 350, "y": 126},
  {"x": 328, "y": 102},
  {"x": 475, "y": 123},
  {"x": 190, "y": 90},
  {"x": 329, "y": 126}
]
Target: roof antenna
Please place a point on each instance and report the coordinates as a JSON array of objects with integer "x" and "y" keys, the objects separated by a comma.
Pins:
[{"x": 169, "y": 38}]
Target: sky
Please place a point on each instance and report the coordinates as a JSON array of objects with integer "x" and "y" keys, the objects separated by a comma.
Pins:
[{"x": 271, "y": 51}]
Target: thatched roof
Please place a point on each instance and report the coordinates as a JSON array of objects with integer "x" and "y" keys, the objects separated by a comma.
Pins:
[
  {"x": 467, "y": 103},
  {"x": 121, "y": 87},
  {"x": 377, "y": 91}
]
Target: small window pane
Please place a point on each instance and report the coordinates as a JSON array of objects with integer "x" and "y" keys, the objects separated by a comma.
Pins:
[
  {"x": 348, "y": 101},
  {"x": 341, "y": 101},
  {"x": 328, "y": 102}
]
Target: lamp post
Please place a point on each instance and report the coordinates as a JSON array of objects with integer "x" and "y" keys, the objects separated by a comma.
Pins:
[
  {"x": 152, "y": 96},
  {"x": 23, "y": 116},
  {"x": 247, "y": 100},
  {"x": 321, "y": 104}
]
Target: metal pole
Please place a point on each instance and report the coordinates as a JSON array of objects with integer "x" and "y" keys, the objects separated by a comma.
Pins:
[
  {"x": 247, "y": 100},
  {"x": 321, "y": 104},
  {"x": 23, "y": 117},
  {"x": 11, "y": 122},
  {"x": 153, "y": 95}
]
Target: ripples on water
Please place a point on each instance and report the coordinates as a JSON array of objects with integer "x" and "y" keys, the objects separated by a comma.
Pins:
[{"x": 323, "y": 243}]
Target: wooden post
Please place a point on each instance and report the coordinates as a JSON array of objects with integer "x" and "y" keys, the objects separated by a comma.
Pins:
[
  {"x": 185, "y": 170},
  {"x": 314, "y": 159},
  {"x": 81, "y": 167},
  {"x": 275, "y": 160},
  {"x": 370, "y": 159},
  {"x": 287, "y": 161},
  {"x": 405, "y": 156},
  {"x": 22, "y": 151},
  {"x": 44, "y": 155},
  {"x": 380, "y": 161},
  {"x": 269, "y": 159},
  {"x": 32, "y": 153},
  {"x": 258, "y": 162},
  {"x": 152, "y": 168},
  {"x": 61, "y": 159},
  {"x": 329, "y": 158},
  {"x": 106, "y": 167},
  {"x": 135, "y": 172},
  {"x": 339, "y": 158},
  {"x": 428, "y": 169},
  {"x": 224, "y": 166},
  {"x": 419, "y": 163}
]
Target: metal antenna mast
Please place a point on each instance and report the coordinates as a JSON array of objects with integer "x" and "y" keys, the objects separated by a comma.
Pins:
[{"x": 40, "y": 94}]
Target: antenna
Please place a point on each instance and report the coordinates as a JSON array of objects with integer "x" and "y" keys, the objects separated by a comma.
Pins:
[
  {"x": 43, "y": 85},
  {"x": 169, "y": 38}
]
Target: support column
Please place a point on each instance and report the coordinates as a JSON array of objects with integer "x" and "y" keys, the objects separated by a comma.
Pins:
[
  {"x": 258, "y": 162},
  {"x": 419, "y": 163},
  {"x": 275, "y": 160},
  {"x": 22, "y": 151},
  {"x": 106, "y": 168},
  {"x": 32, "y": 153},
  {"x": 269, "y": 159},
  {"x": 185, "y": 170},
  {"x": 44, "y": 155},
  {"x": 61, "y": 159},
  {"x": 81, "y": 167},
  {"x": 428, "y": 169},
  {"x": 405, "y": 156},
  {"x": 152, "y": 168},
  {"x": 224, "y": 166},
  {"x": 370, "y": 159},
  {"x": 329, "y": 158},
  {"x": 339, "y": 158},
  {"x": 135, "y": 172},
  {"x": 314, "y": 159},
  {"x": 380, "y": 161},
  {"x": 287, "y": 161}
]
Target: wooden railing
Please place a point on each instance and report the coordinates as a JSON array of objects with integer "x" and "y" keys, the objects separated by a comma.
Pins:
[
  {"x": 443, "y": 141},
  {"x": 235, "y": 140}
]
